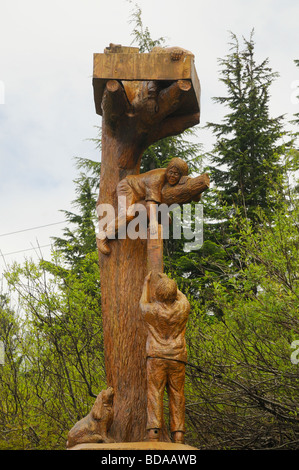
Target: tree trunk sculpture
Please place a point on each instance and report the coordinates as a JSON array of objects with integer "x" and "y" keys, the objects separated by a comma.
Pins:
[{"x": 135, "y": 114}]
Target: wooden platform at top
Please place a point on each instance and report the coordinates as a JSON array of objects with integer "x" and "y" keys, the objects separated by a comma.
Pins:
[{"x": 129, "y": 64}]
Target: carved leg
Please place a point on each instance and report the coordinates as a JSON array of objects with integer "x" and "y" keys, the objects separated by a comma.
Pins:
[
  {"x": 156, "y": 382},
  {"x": 125, "y": 201},
  {"x": 176, "y": 397}
]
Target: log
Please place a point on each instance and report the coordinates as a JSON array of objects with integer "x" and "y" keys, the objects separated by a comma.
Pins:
[
  {"x": 187, "y": 190},
  {"x": 122, "y": 275}
]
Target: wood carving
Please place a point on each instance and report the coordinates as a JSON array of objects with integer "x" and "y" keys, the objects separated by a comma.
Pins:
[
  {"x": 163, "y": 185},
  {"x": 187, "y": 190},
  {"x": 142, "y": 98},
  {"x": 95, "y": 426},
  {"x": 166, "y": 318}
]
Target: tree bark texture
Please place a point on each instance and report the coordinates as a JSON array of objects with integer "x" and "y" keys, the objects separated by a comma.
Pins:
[{"x": 133, "y": 119}]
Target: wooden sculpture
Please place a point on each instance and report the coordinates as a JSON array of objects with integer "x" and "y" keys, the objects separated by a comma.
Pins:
[
  {"x": 95, "y": 426},
  {"x": 142, "y": 98},
  {"x": 166, "y": 318},
  {"x": 163, "y": 185}
]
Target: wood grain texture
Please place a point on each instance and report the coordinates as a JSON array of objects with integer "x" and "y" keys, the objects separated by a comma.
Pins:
[
  {"x": 122, "y": 275},
  {"x": 155, "y": 258},
  {"x": 120, "y": 66},
  {"x": 136, "y": 446},
  {"x": 146, "y": 67},
  {"x": 135, "y": 115}
]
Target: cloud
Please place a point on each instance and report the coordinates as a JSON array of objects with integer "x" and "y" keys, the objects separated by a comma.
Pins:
[{"x": 46, "y": 69}]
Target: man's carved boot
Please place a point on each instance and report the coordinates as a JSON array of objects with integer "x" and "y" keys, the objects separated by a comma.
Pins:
[{"x": 178, "y": 437}]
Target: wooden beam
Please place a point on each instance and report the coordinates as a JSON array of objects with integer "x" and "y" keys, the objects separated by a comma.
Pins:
[{"x": 126, "y": 66}]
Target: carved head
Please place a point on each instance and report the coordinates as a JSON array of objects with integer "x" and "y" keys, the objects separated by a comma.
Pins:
[
  {"x": 166, "y": 290},
  {"x": 175, "y": 170},
  {"x": 103, "y": 403}
]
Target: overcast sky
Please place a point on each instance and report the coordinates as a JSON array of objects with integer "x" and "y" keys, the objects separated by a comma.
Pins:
[{"x": 47, "y": 111}]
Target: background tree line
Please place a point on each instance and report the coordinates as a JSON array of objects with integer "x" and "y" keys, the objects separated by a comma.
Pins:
[{"x": 243, "y": 285}]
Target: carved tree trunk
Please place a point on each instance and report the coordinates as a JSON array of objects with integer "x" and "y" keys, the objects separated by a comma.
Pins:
[
  {"x": 122, "y": 274},
  {"x": 132, "y": 120}
]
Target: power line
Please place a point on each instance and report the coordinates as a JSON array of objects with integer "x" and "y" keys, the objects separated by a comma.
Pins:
[
  {"x": 27, "y": 249},
  {"x": 32, "y": 228}
]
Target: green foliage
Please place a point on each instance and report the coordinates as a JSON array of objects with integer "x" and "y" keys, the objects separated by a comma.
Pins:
[
  {"x": 296, "y": 121},
  {"x": 79, "y": 241},
  {"x": 248, "y": 164},
  {"x": 243, "y": 286},
  {"x": 247, "y": 154},
  {"x": 141, "y": 33},
  {"x": 159, "y": 154},
  {"x": 242, "y": 384},
  {"x": 54, "y": 364}
]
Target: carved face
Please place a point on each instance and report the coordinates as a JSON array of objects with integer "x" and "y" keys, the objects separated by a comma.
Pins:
[{"x": 173, "y": 175}]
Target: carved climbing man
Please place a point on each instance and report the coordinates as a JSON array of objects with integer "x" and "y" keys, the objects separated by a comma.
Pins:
[
  {"x": 161, "y": 185},
  {"x": 142, "y": 187},
  {"x": 166, "y": 318}
]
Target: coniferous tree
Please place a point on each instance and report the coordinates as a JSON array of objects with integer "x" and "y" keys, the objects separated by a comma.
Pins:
[
  {"x": 296, "y": 121},
  {"x": 246, "y": 161},
  {"x": 245, "y": 168},
  {"x": 78, "y": 239},
  {"x": 141, "y": 34}
]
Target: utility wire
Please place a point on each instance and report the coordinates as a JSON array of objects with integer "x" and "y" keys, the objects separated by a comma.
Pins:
[
  {"x": 27, "y": 249},
  {"x": 32, "y": 228}
]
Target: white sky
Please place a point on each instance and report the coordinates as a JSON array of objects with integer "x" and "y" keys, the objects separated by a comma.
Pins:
[{"x": 46, "y": 61}]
